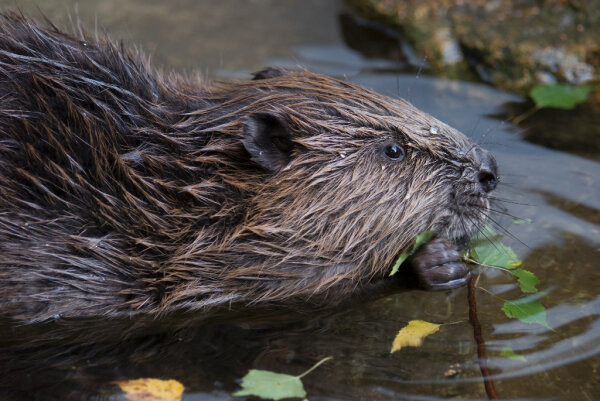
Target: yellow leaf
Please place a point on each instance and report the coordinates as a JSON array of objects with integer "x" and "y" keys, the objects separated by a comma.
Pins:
[
  {"x": 413, "y": 334},
  {"x": 152, "y": 390}
]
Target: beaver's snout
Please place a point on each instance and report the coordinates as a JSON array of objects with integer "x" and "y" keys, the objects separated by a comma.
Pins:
[{"x": 487, "y": 175}]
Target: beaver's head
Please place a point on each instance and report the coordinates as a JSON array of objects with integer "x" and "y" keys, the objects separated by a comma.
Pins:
[{"x": 345, "y": 177}]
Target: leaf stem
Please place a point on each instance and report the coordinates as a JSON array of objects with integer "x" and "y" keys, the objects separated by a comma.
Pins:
[
  {"x": 524, "y": 115},
  {"x": 316, "y": 365},
  {"x": 473, "y": 261}
]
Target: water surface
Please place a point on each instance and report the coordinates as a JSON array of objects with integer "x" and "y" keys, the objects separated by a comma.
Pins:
[{"x": 554, "y": 184}]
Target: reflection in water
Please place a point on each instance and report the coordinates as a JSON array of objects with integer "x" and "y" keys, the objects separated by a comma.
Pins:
[
  {"x": 575, "y": 208},
  {"x": 371, "y": 39},
  {"x": 81, "y": 360},
  {"x": 560, "y": 192},
  {"x": 576, "y": 131},
  {"x": 71, "y": 370},
  {"x": 557, "y": 360}
]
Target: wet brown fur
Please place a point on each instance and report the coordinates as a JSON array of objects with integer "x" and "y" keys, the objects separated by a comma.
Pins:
[{"x": 125, "y": 190}]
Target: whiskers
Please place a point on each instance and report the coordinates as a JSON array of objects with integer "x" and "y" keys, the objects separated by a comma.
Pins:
[
  {"x": 496, "y": 199},
  {"x": 489, "y": 215}
]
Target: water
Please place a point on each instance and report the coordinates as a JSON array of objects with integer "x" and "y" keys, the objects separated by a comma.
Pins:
[{"x": 546, "y": 179}]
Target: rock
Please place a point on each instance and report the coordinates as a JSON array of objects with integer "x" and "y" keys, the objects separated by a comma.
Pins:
[{"x": 511, "y": 44}]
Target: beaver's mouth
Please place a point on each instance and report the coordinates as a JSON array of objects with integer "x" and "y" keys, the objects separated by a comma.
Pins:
[
  {"x": 458, "y": 236},
  {"x": 462, "y": 243},
  {"x": 465, "y": 217}
]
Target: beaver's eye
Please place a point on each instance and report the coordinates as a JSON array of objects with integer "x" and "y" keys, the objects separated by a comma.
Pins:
[{"x": 393, "y": 151}]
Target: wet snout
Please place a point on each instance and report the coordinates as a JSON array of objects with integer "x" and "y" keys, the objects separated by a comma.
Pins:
[{"x": 487, "y": 168}]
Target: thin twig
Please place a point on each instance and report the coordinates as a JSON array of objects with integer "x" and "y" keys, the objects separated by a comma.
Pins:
[
  {"x": 487, "y": 377},
  {"x": 525, "y": 115}
]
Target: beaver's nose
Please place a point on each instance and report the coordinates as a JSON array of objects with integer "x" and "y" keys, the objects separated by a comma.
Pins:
[{"x": 487, "y": 174}]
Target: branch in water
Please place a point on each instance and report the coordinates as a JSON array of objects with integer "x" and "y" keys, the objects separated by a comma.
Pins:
[{"x": 488, "y": 382}]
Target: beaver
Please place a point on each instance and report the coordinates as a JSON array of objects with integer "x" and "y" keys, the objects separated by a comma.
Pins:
[{"x": 126, "y": 190}]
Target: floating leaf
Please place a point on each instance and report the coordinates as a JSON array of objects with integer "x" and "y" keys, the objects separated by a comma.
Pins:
[
  {"x": 519, "y": 221},
  {"x": 526, "y": 310},
  {"x": 274, "y": 386},
  {"x": 420, "y": 240},
  {"x": 147, "y": 389},
  {"x": 495, "y": 254},
  {"x": 509, "y": 353},
  {"x": 559, "y": 96},
  {"x": 413, "y": 334},
  {"x": 271, "y": 385},
  {"x": 527, "y": 280}
]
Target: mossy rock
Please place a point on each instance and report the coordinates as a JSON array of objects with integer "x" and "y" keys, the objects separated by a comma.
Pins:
[{"x": 512, "y": 45}]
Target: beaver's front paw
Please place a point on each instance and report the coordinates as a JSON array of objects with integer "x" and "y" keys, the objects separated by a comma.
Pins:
[{"x": 437, "y": 265}]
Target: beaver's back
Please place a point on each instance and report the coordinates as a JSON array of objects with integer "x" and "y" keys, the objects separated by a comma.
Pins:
[{"x": 92, "y": 201}]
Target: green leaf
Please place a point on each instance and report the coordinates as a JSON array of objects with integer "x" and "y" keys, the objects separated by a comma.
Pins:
[
  {"x": 399, "y": 262},
  {"x": 271, "y": 385},
  {"x": 509, "y": 353},
  {"x": 495, "y": 254},
  {"x": 487, "y": 250},
  {"x": 485, "y": 234},
  {"x": 527, "y": 280},
  {"x": 275, "y": 386},
  {"x": 519, "y": 221},
  {"x": 559, "y": 96},
  {"x": 527, "y": 311},
  {"x": 420, "y": 240}
]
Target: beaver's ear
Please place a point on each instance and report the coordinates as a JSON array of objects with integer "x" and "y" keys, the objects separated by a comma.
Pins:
[
  {"x": 268, "y": 73},
  {"x": 268, "y": 140}
]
